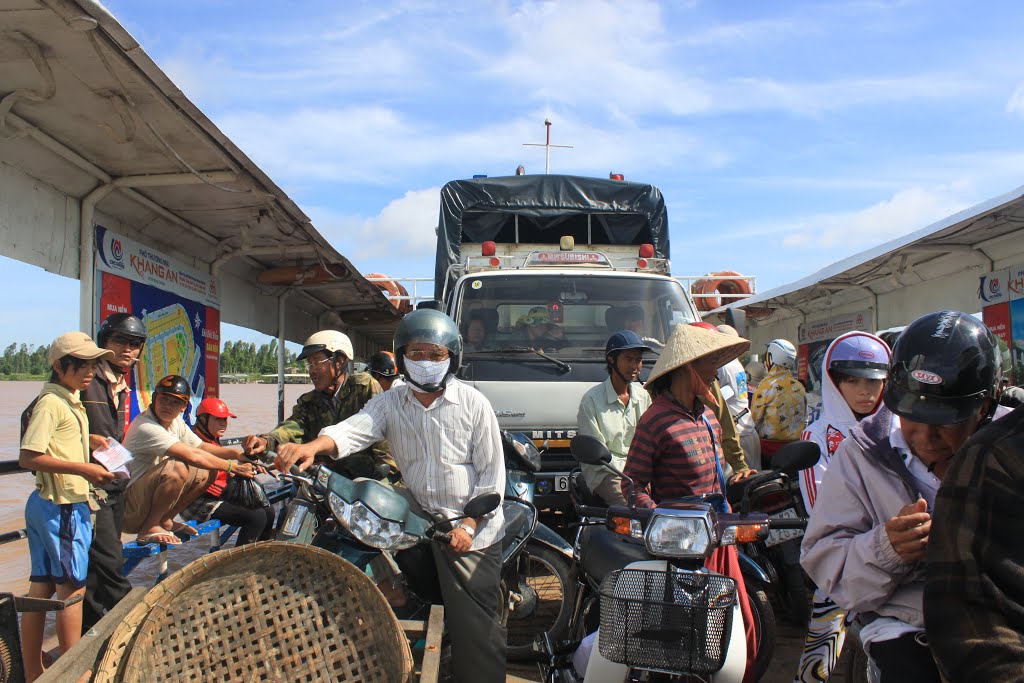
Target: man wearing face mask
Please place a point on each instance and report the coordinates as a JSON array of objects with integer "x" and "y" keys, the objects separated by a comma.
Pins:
[
  {"x": 337, "y": 394},
  {"x": 445, "y": 438}
]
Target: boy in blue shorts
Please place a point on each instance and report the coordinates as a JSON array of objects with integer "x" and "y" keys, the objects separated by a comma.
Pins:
[{"x": 58, "y": 513}]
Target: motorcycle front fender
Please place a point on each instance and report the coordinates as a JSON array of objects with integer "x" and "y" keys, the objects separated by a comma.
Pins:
[
  {"x": 752, "y": 570},
  {"x": 545, "y": 536}
]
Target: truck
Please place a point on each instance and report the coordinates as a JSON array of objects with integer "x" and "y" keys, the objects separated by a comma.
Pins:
[{"x": 580, "y": 257}]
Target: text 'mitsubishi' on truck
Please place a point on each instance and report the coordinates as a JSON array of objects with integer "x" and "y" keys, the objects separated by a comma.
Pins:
[{"x": 538, "y": 272}]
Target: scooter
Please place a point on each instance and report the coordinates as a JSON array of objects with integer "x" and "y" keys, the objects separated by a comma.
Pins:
[
  {"x": 359, "y": 519},
  {"x": 542, "y": 587},
  {"x": 662, "y": 615},
  {"x": 776, "y": 492}
]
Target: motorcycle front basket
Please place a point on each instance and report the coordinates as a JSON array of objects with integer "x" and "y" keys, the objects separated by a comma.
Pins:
[{"x": 671, "y": 621}]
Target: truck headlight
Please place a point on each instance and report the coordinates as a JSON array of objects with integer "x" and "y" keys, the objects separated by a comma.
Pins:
[
  {"x": 679, "y": 533},
  {"x": 368, "y": 527}
]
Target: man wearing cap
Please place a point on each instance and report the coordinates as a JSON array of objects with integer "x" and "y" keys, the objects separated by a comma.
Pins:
[
  {"x": 610, "y": 412},
  {"x": 676, "y": 449},
  {"x": 337, "y": 395},
  {"x": 170, "y": 465},
  {"x": 55, "y": 445},
  {"x": 538, "y": 332},
  {"x": 106, "y": 402}
]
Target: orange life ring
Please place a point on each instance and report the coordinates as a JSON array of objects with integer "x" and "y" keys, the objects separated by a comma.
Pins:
[
  {"x": 394, "y": 289},
  {"x": 722, "y": 282}
]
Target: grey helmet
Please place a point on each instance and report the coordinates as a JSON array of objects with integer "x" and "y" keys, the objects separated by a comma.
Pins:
[
  {"x": 121, "y": 323},
  {"x": 432, "y": 327}
]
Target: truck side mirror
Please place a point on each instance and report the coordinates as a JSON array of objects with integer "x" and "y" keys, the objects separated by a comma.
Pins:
[{"x": 737, "y": 319}]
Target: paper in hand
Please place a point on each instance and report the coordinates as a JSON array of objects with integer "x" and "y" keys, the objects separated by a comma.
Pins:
[{"x": 115, "y": 458}]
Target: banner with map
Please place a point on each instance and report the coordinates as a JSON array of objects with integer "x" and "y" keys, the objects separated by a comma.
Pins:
[{"x": 180, "y": 306}]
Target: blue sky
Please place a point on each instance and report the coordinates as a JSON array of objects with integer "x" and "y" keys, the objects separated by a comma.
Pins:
[{"x": 784, "y": 135}]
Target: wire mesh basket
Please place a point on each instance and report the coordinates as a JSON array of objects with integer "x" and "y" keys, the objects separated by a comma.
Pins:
[
  {"x": 261, "y": 612},
  {"x": 674, "y": 621}
]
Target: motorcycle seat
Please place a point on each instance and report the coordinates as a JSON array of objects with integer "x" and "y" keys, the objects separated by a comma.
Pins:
[
  {"x": 581, "y": 493},
  {"x": 734, "y": 492},
  {"x": 602, "y": 551}
]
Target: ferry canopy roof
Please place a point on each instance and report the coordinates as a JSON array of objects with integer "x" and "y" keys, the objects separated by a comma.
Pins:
[
  {"x": 980, "y": 237},
  {"x": 87, "y": 112}
]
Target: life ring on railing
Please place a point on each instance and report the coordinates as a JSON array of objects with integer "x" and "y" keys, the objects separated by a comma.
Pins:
[
  {"x": 393, "y": 290},
  {"x": 722, "y": 282}
]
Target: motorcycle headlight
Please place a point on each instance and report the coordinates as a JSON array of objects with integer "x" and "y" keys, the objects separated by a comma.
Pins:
[
  {"x": 681, "y": 533},
  {"x": 368, "y": 527}
]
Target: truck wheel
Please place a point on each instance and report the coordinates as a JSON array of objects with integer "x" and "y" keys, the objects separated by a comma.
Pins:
[{"x": 544, "y": 597}]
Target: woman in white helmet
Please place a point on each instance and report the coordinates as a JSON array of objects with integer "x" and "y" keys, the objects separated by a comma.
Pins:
[{"x": 779, "y": 407}]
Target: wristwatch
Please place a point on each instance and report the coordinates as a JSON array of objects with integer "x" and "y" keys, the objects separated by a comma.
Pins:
[{"x": 467, "y": 528}]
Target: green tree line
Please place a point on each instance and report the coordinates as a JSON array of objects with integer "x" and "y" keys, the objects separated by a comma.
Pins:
[{"x": 237, "y": 357}]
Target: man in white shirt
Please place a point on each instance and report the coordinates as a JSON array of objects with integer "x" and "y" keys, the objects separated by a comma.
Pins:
[
  {"x": 445, "y": 439},
  {"x": 170, "y": 465}
]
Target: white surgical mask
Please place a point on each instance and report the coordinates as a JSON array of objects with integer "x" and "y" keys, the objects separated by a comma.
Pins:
[{"x": 425, "y": 372}]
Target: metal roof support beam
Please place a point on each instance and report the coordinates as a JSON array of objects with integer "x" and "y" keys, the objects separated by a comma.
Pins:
[
  {"x": 168, "y": 179},
  {"x": 282, "y": 250},
  {"x": 281, "y": 353}
]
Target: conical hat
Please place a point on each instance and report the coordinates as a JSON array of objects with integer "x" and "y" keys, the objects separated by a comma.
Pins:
[{"x": 688, "y": 343}]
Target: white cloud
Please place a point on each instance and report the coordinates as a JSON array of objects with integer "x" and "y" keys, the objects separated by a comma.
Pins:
[{"x": 1015, "y": 105}]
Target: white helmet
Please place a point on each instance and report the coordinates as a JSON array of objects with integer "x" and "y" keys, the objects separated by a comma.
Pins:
[
  {"x": 781, "y": 352},
  {"x": 330, "y": 341}
]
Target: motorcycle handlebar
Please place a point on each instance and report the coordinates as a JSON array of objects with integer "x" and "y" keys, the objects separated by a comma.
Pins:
[
  {"x": 788, "y": 523},
  {"x": 442, "y": 537}
]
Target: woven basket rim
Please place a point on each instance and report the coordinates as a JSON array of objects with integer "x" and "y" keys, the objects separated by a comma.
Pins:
[{"x": 121, "y": 652}]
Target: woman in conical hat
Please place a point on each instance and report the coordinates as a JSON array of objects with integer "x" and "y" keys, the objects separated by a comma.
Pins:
[{"x": 675, "y": 451}]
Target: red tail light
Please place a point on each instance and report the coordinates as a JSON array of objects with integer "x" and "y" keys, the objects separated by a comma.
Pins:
[
  {"x": 646, "y": 251},
  {"x": 488, "y": 249},
  {"x": 771, "y": 503}
]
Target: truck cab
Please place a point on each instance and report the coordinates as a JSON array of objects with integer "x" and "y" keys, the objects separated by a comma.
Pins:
[{"x": 538, "y": 272}]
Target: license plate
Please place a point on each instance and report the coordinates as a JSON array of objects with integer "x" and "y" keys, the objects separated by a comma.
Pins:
[
  {"x": 777, "y": 536},
  {"x": 562, "y": 482}
]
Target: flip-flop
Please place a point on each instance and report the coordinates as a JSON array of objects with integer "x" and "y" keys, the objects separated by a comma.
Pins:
[
  {"x": 152, "y": 538},
  {"x": 183, "y": 529}
]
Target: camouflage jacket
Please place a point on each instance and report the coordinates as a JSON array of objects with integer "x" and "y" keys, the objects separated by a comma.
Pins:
[{"x": 315, "y": 410}]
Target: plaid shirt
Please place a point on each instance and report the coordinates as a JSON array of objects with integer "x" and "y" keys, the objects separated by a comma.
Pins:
[
  {"x": 672, "y": 454},
  {"x": 974, "y": 594}
]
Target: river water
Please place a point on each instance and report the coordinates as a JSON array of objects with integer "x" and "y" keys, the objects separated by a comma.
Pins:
[{"x": 254, "y": 404}]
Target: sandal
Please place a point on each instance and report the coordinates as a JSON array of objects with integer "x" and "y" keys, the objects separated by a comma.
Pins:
[{"x": 183, "y": 529}]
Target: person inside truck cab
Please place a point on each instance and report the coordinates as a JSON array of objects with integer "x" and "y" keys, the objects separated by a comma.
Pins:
[
  {"x": 478, "y": 336},
  {"x": 537, "y": 331}
]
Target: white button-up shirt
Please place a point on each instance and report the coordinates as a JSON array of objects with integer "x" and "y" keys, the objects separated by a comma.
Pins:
[{"x": 449, "y": 452}]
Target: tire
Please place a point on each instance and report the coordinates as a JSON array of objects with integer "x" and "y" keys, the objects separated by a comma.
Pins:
[
  {"x": 858, "y": 666},
  {"x": 764, "y": 628},
  {"x": 547, "y": 600},
  {"x": 798, "y": 595}
]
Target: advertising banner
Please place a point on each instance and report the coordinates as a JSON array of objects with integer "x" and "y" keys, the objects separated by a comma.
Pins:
[
  {"x": 179, "y": 305},
  {"x": 827, "y": 330}
]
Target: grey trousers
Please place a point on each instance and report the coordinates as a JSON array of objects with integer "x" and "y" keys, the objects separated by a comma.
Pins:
[{"x": 470, "y": 591}]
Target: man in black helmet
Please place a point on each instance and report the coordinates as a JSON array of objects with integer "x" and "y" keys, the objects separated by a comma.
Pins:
[
  {"x": 866, "y": 540},
  {"x": 106, "y": 402},
  {"x": 445, "y": 438}
]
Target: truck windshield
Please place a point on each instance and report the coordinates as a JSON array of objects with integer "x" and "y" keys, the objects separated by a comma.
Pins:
[{"x": 569, "y": 317}]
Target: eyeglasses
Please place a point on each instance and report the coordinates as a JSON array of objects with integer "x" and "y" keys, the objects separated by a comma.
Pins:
[
  {"x": 433, "y": 354},
  {"x": 310, "y": 364},
  {"x": 133, "y": 342}
]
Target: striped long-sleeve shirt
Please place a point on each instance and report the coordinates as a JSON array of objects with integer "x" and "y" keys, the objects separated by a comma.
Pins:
[
  {"x": 672, "y": 454},
  {"x": 448, "y": 452}
]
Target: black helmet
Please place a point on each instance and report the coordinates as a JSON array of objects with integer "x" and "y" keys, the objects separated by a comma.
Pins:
[
  {"x": 432, "y": 327},
  {"x": 383, "y": 363},
  {"x": 944, "y": 367},
  {"x": 175, "y": 385},
  {"x": 120, "y": 323}
]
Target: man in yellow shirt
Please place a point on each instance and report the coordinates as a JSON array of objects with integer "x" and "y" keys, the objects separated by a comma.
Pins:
[{"x": 779, "y": 407}]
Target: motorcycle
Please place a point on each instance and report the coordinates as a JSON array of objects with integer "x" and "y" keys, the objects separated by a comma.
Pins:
[
  {"x": 662, "y": 614},
  {"x": 359, "y": 519},
  {"x": 776, "y": 492},
  {"x": 541, "y": 586}
]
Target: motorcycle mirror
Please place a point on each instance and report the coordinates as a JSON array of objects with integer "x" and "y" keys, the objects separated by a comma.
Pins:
[
  {"x": 589, "y": 451},
  {"x": 796, "y": 456},
  {"x": 483, "y": 504},
  {"x": 737, "y": 319}
]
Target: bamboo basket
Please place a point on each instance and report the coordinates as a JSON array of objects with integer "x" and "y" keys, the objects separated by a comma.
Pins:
[{"x": 262, "y": 612}]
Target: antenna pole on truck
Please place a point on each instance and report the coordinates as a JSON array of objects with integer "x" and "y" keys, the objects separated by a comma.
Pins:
[{"x": 547, "y": 146}]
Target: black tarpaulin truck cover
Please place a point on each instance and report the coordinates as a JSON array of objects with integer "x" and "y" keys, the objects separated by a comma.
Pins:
[{"x": 548, "y": 207}]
